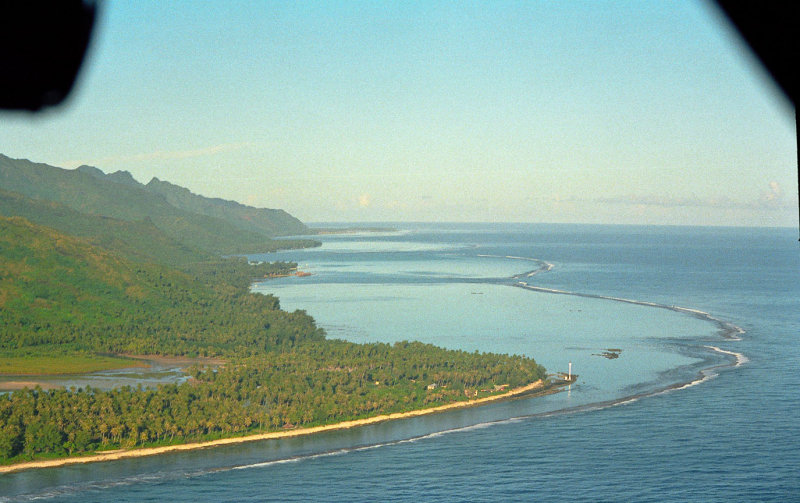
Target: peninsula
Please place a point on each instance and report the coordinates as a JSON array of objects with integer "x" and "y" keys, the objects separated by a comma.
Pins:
[
  {"x": 138, "y": 273},
  {"x": 536, "y": 388}
]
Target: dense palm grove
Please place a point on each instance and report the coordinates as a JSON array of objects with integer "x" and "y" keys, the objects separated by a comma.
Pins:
[
  {"x": 311, "y": 384},
  {"x": 125, "y": 272}
]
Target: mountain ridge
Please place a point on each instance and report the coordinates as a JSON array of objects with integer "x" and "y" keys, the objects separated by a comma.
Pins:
[
  {"x": 117, "y": 195},
  {"x": 274, "y": 222}
]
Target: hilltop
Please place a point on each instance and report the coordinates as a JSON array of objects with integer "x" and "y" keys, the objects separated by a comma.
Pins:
[{"x": 213, "y": 226}]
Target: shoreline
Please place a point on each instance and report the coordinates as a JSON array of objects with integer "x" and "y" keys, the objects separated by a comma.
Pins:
[
  {"x": 537, "y": 388},
  {"x": 727, "y": 330}
]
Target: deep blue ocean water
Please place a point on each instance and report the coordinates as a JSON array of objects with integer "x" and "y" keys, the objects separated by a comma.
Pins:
[{"x": 684, "y": 414}]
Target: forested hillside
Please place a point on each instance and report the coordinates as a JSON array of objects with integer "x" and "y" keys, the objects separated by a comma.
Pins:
[
  {"x": 137, "y": 240},
  {"x": 266, "y": 221},
  {"x": 262, "y": 220},
  {"x": 92, "y": 279},
  {"x": 120, "y": 197},
  {"x": 60, "y": 294}
]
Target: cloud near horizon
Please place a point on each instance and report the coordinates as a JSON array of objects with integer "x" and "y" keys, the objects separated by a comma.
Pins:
[
  {"x": 769, "y": 199},
  {"x": 364, "y": 200},
  {"x": 775, "y": 193}
]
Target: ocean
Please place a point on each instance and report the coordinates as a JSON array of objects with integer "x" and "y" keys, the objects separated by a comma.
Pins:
[{"x": 684, "y": 339}]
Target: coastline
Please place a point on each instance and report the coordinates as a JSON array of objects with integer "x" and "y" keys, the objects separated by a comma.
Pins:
[{"x": 533, "y": 388}]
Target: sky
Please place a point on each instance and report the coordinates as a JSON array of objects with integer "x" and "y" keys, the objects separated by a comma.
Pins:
[{"x": 614, "y": 112}]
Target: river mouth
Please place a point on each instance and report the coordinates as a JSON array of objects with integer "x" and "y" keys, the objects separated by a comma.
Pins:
[{"x": 153, "y": 371}]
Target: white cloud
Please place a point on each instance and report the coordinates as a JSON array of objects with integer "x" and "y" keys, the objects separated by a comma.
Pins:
[
  {"x": 769, "y": 199},
  {"x": 774, "y": 195}
]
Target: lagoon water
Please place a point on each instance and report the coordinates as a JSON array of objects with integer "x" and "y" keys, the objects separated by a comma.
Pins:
[
  {"x": 156, "y": 372},
  {"x": 691, "y": 410}
]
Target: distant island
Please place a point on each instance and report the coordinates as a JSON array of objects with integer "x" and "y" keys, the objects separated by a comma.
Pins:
[{"x": 97, "y": 270}]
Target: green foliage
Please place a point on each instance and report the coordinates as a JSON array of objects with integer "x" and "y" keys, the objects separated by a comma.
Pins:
[
  {"x": 59, "y": 291},
  {"x": 261, "y": 220},
  {"x": 140, "y": 241},
  {"x": 100, "y": 265},
  {"x": 236, "y": 271},
  {"x": 51, "y": 360},
  {"x": 122, "y": 198},
  {"x": 310, "y": 384}
]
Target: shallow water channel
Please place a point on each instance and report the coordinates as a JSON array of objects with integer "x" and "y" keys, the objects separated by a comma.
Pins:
[{"x": 156, "y": 372}]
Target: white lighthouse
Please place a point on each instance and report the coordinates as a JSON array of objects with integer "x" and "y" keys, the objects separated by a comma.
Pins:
[{"x": 569, "y": 374}]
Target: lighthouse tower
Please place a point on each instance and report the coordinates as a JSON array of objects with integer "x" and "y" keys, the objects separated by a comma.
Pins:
[{"x": 569, "y": 374}]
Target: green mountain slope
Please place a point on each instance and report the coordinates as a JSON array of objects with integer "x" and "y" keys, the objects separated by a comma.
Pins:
[
  {"x": 95, "y": 195},
  {"x": 63, "y": 298},
  {"x": 122, "y": 177},
  {"x": 266, "y": 221},
  {"x": 269, "y": 222},
  {"x": 60, "y": 294},
  {"x": 139, "y": 241}
]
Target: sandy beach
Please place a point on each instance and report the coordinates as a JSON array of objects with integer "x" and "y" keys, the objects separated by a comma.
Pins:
[{"x": 150, "y": 451}]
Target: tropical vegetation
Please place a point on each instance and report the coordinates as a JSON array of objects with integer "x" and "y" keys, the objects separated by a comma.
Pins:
[{"x": 95, "y": 289}]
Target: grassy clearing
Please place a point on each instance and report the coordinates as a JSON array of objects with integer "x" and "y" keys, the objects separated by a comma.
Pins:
[{"x": 62, "y": 364}]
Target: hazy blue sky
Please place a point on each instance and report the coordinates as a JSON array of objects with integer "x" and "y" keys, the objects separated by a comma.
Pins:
[{"x": 533, "y": 111}]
